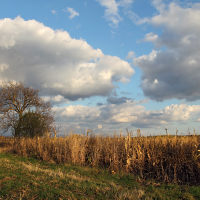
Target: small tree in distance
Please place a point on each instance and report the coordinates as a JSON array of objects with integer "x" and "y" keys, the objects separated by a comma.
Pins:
[{"x": 24, "y": 111}]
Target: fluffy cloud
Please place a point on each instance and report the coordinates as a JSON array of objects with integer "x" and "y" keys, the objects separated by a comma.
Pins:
[
  {"x": 150, "y": 37},
  {"x": 55, "y": 62},
  {"x": 170, "y": 114},
  {"x": 116, "y": 116},
  {"x": 175, "y": 71},
  {"x": 56, "y": 100},
  {"x": 104, "y": 114}
]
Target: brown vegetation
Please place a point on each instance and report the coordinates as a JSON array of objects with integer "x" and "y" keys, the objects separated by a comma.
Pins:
[
  {"x": 162, "y": 158},
  {"x": 6, "y": 144}
]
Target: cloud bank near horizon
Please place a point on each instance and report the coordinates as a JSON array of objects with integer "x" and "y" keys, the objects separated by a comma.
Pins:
[{"x": 129, "y": 113}]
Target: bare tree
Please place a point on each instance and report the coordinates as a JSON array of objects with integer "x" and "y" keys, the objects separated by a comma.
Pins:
[{"x": 20, "y": 105}]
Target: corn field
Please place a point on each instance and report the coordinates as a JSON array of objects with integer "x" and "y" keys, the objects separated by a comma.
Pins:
[{"x": 169, "y": 159}]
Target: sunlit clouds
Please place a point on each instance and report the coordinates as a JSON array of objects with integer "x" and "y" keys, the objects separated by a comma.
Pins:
[
  {"x": 57, "y": 63},
  {"x": 108, "y": 65},
  {"x": 176, "y": 69},
  {"x": 128, "y": 113}
]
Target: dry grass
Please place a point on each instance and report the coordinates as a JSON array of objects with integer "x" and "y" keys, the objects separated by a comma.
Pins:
[
  {"x": 6, "y": 144},
  {"x": 25, "y": 178},
  {"x": 169, "y": 159}
]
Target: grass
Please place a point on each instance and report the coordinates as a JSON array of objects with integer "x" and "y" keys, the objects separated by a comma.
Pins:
[{"x": 31, "y": 177}]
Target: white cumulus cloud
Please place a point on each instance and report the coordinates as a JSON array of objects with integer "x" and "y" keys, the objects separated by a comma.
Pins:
[
  {"x": 177, "y": 67},
  {"x": 55, "y": 62}
]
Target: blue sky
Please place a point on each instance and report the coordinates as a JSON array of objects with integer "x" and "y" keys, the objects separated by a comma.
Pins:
[{"x": 107, "y": 64}]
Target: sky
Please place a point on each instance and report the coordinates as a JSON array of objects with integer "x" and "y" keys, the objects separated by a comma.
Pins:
[{"x": 107, "y": 65}]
